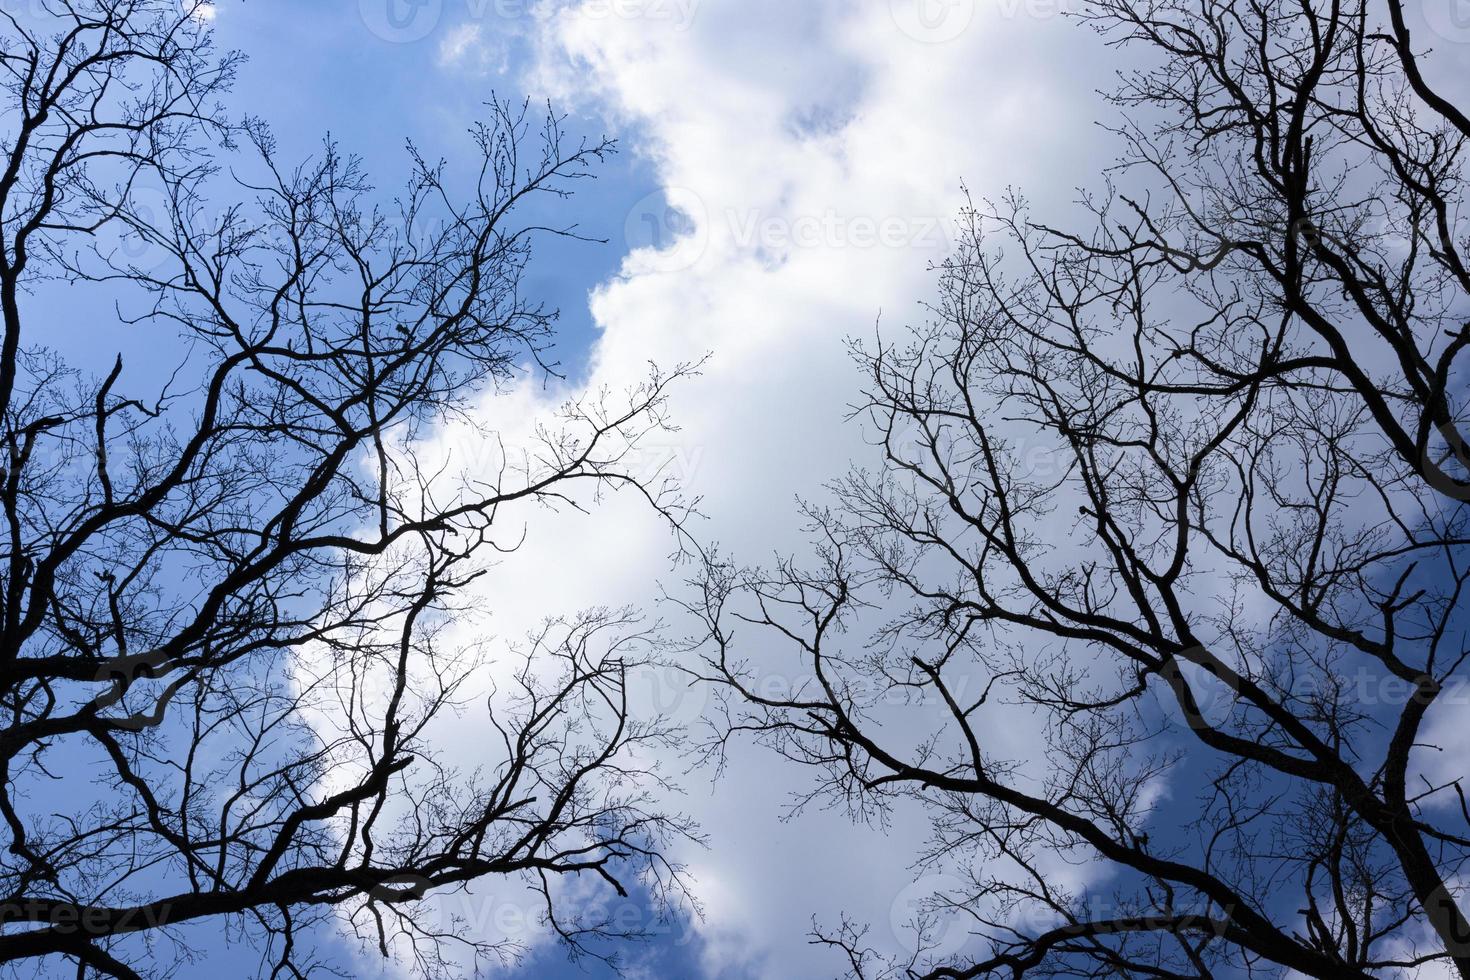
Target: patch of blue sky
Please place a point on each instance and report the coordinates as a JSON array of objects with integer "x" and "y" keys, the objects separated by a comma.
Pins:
[{"x": 329, "y": 70}]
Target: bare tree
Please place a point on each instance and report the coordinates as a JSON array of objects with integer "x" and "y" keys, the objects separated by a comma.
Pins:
[
  {"x": 228, "y": 624},
  {"x": 1183, "y": 495}
]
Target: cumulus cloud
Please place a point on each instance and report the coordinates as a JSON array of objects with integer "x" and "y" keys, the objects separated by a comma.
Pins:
[{"x": 810, "y": 159}]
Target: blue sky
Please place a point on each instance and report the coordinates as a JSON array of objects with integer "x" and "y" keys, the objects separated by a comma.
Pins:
[
  {"x": 317, "y": 70},
  {"x": 789, "y": 174}
]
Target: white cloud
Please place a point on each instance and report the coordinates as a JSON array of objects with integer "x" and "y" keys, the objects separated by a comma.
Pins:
[
  {"x": 813, "y": 153},
  {"x": 477, "y": 47},
  {"x": 458, "y": 42}
]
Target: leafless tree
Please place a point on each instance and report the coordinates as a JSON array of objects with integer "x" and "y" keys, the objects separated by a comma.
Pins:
[
  {"x": 1185, "y": 496},
  {"x": 229, "y": 610}
]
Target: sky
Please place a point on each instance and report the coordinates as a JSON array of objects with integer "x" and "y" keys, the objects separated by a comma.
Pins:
[
  {"x": 790, "y": 171},
  {"x": 813, "y": 154}
]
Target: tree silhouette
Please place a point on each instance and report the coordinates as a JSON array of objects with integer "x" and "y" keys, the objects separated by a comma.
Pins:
[
  {"x": 1184, "y": 496},
  {"x": 228, "y": 596}
]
